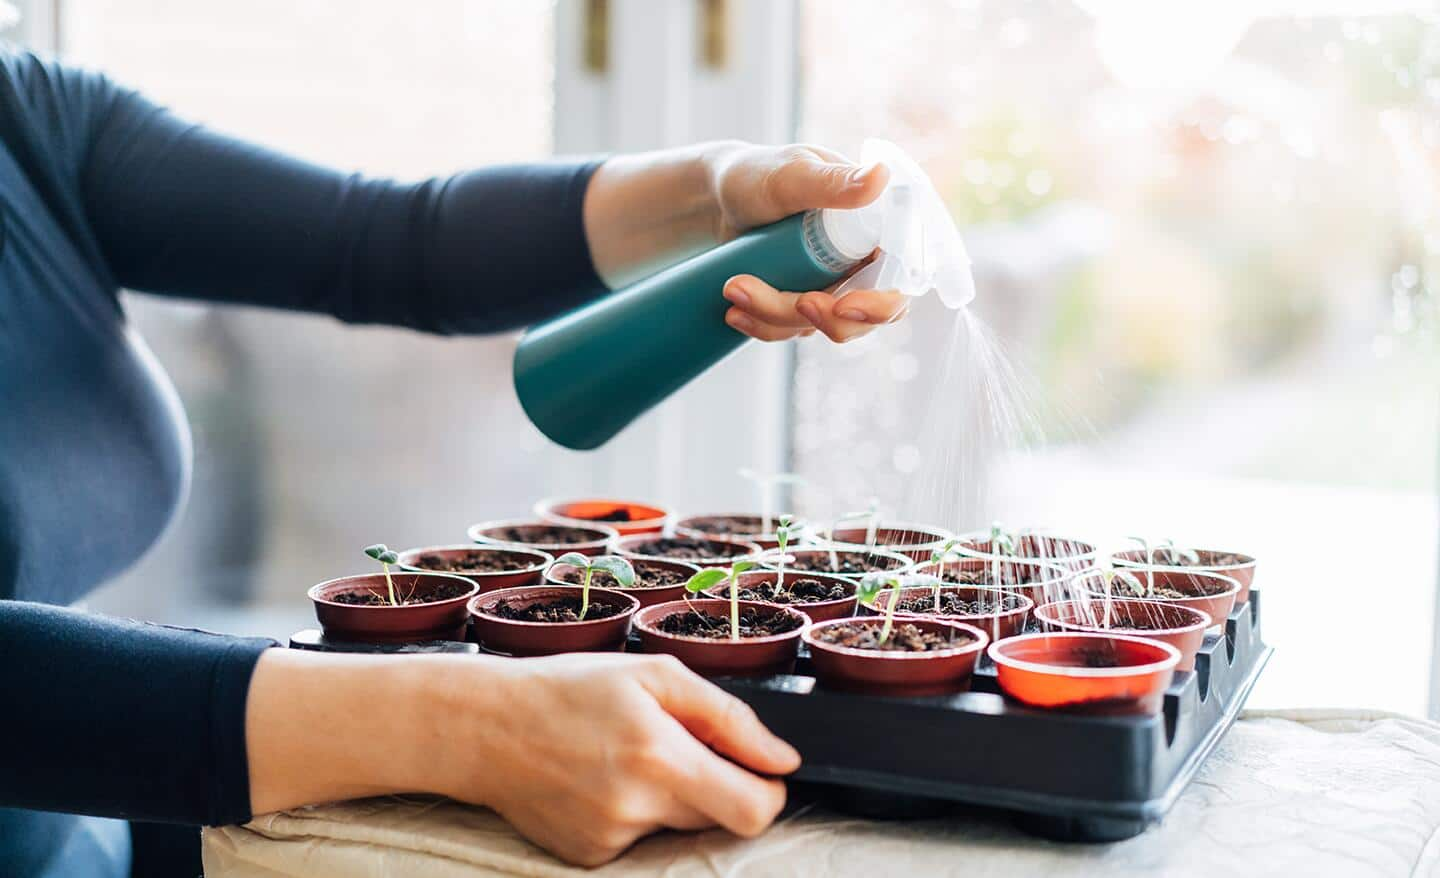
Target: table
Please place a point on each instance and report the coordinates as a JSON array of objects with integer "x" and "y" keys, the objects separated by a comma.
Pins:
[{"x": 1287, "y": 792}]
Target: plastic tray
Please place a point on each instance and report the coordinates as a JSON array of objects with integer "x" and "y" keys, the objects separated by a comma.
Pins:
[{"x": 1066, "y": 776}]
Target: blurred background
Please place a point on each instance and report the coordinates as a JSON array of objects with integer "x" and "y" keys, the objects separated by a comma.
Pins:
[{"x": 1206, "y": 238}]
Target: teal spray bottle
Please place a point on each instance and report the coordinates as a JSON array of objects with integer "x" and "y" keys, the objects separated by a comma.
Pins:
[{"x": 584, "y": 376}]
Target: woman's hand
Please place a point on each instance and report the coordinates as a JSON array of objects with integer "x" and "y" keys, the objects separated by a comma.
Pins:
[
  {"x": 653, "y": 209},
  {"x": 583, "y": 754}
]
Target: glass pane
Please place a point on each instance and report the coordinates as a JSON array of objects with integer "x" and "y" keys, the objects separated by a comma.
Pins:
[
  {"x": 313, "y": 440},
  {"x": 1210, "y": 247}
]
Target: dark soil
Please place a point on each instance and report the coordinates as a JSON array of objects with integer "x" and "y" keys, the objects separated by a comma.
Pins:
[
  {"x": 558, "y": 610},
  {"x": 753, "y": 623},
  {"x": 1168, "y": 558},
  {"x": 648, "y": 574},
  {"x": 953, "y": 604},
  {"x": 796, "y": 591},
  {"x": 1096, "y": 658},
  {"x": 1194, "y": 587},
  {"x": 850, "y": 562},
  {"x": 727, "y": 525},
  {"x": 543, "y": 534},
  {"x": 904, "y": 637},
  {"x": 1021, "y": 574},
  {"x": 408, "y": 595},
  {"x": 474, "y": 561},
  {"x": 619, "y": 513},
  {"x": 687, "y": 549}
]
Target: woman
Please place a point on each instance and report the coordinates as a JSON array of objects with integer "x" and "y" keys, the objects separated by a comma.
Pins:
[{"x": 101, "y": 189}]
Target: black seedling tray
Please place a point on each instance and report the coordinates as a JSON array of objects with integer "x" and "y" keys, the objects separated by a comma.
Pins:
[{"x": 1065, "y": 776}]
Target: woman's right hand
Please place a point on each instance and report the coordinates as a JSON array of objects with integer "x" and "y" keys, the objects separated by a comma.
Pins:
[{"x": 583, "y": 754}]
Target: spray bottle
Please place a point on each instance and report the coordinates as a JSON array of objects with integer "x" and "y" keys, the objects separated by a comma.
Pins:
[{"x": 584, "y": 376}]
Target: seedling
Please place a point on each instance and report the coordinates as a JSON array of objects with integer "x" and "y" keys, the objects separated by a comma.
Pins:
[
  {"x": 380, "y": 552},
  {"x": 766, "y": 485},
  {"x": 1108, "y": 575},
  {"x": 870, "y": 587},
  {"x": 1176, "y": 554},
  {"x": 619, "y": 568},
  {"x": 713, "y": 576},
  {"x": 1002, "y": 543},
  {"x": 1149, "y": 566},
  {"x": 782, "y": 539},
  {"x": 937, "y": 560},
  {"x": 871, "y": 515}
]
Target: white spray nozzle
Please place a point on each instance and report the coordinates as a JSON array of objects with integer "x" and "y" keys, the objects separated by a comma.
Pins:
[{"x": 919, "y": 247}]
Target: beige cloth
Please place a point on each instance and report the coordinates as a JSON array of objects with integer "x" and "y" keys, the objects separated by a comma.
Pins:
[{"x": 1287, "y": 793}]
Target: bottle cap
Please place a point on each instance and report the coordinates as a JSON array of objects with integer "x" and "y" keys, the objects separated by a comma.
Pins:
[{"x": 919, "y": 247}]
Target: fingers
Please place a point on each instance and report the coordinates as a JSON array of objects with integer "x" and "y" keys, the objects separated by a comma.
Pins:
[
  {"x": 805, "y": 181},
  {"x": 719, "y": 720},
  {"x": 741, "y": 322},
  {"x": 763, "y": 302},
  {"x": 734, "y": 798},
  {"x": 852, "y": 316}
]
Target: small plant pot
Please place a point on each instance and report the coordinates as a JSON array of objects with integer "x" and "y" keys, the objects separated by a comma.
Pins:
[
  {"x": 740, "y": 526},
  {"x": 1181, "y": 627},
  {"x": 553, "y": 539},
  {"x": 442, "y": 619},
  {"x": 747, "y": 657},
  {"x": 647, "y": 595},
  {"x": 998, "y": 624},
  {"x": 818, "y": 611},
  {"x": 1070, "y": 553},
  {"x": 504, "y": 566},
  {"x": 704, "y": 551},
  {"x": 1210, "y": 593},
  {"x": 895, "y": 672},
  {"x": 1238, "y": 567},
  {"x": 626, "y": 516},
  {"x": 1059, "y": 671},
  {"x": 853, "y": 564},
  {"x": 915, "y": 541},
  {"x": 524, "y": 638},
  {"x": 1041, "y": 581}
]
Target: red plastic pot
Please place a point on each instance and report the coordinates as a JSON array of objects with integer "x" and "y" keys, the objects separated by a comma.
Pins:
[
  {"x": 1050, "y": 671},
  {"x": 529, "y": 564},
  {"x": 1242, "y": 571},
  {"x": 520, "y": 638},
  {"x": 818, "y": 611},
  {"x": 694, "y": 526},
  {"x": 1040, "y": 581},
  {"x": 751, "y": 656},
  {"x": 1070, "y": 553},
  {"x": 890, "y": 561},
  {"x": 595, "y": 536},
  {"x": 647, "y": 596},
  {"x": 915, "y": 541},
  {"x": 997, "y": 624},
  {"x": 639, "y": 546},
  {"x": 359, "y": 623},
  {"x": 1210, "y": 593},
  {"x": 885, "y": 672},
  {"x": 641, "y": 517},
  {"x": 1181, "y": 627}
]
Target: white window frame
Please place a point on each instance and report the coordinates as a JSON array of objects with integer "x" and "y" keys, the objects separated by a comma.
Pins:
[{"x": 654, "y": 92}]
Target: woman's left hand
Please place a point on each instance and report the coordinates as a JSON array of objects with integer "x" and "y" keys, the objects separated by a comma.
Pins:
[{"x": 755, "y": 185}]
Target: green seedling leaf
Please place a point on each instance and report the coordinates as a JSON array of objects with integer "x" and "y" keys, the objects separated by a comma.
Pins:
[
  {"x": 376, "y": 550},
  {"x": 1178, "y": 553},
  {"x": 381, "y": 552},
  {"x": 870, "y": 586},
  {"x": 389, "y": 558},
  {"x": 706, "y": 579},
  {"x": 574, "y": 559},
  {"x": 619, "y": 568},
  {"x": 740, "y": 567}
]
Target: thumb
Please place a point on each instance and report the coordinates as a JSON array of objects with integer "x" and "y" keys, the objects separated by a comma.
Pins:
[{"x": 807, "y": 183}]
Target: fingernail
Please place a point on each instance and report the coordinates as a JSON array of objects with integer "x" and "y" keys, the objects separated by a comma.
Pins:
[
  {"x": 853, "y": 314},
  {"x": 809, "y": 312},
  {"x": 862, "y": 173},
  {"x": 737, "y": 296}
]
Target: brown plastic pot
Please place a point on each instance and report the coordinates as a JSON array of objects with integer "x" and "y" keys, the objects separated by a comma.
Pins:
[
  {"x": 915, "y": 541},
  {"x": 1181, "y": 627},
  {"x": 748, "y": 657},
  {"x": 519, "y": 638},
  {"x": 1242, "y": 572},
  {"x": 1210, "y": 593},
  {"x": 1040, "y": 581},
  {"x": 595, "y": 536},
  {"x": 887, "y": 672},
  {"x": 1070, "y": 553},
  {"x": 998, "y": 624},
  {"x": 694, "y": 526},
  {"x": 1050, "y": 671},
  {"x": 642, "y": 517},
  {"x": 888, "y": 561},
  {"x": 647, "y": 596},
  {"x": 410, "y": 623},
  {"x": 639, "y": 546},
  {"x": 529, "y": 567},
  {"x": 818, "y": 611}
]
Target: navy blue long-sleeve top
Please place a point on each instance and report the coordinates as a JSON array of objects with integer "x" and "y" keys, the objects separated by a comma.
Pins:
[{"x": 101, "y": 189}]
